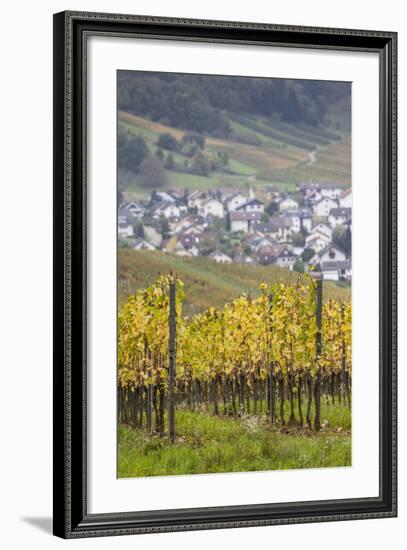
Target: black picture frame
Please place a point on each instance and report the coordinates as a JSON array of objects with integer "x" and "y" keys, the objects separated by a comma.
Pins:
[{"x": 71, "y": 519}]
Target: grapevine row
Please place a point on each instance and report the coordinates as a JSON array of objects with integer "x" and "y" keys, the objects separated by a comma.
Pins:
[{"x": 278, "y": 354}]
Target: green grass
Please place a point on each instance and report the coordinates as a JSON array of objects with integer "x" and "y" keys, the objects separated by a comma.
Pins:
[
  {"x": 207, "y": 283},
  {"x": 241, "y": 168},
  {"x": 241, "y": 129},
  {"x": 285, "y": 134},
  {"x": 208, "y": 444},
  {"x": 138, "y": 131}
]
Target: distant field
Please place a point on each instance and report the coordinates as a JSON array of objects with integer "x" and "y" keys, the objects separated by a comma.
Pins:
[
  {"x": 266, "y": 159},
  {"x": 282, "y": 157},
  {"x": 333, "y": 163},
  {"x": 207, "y": 283}
]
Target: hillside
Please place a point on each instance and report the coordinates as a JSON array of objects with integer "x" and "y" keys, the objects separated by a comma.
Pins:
[
  {"x": 254, "y": 131},
  {"x": 207, "y": 283},
  {"x": 202, "y": 103},
  {"x": 293, "y": 154}
]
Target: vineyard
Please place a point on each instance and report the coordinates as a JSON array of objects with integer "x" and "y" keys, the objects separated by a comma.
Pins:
[{"x": 277, "y": 357}]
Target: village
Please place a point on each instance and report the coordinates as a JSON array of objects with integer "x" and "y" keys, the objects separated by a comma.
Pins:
[{"x": 309, "y": 227}]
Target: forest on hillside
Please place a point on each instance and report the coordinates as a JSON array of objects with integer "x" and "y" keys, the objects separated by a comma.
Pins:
[{"x": 204, "y": 103}]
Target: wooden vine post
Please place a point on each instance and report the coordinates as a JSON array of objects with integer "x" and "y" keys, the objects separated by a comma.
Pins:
[
  {"x": 317, "y": 389},
  {"x": 171, "y": 366},
  {"x": 272, "y": 406},
  {"x": 149, "y": 391},
  {"x": 149, "y": 404}
]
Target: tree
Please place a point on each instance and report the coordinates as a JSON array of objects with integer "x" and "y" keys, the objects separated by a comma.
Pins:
[
  {"x": 271, "y": 208},
  {"x": 169, "y": 162},
  {"x": 227, "y": 221},
  {"x": 131, "y": 152},
  {"x": 298, "y": 239},
  {"x": 139, "y": 229},
  {"x": 193, "y": 137},
  {"x": 307, "y": 254},
  {"x": 200, "y": 165},
  {"x": 208, "y": 104},
  {"x": 160, "y": 154},
  {"x": 225, "y": 158},
  {"x": 123, "y": 243},
  {"x": 342, "y": 237},
  {"x": 167, "y": 141},
  {"x": 348, "y": 242},
  {"x": 299, "y": 266},
  {"x": 264, "y": 218},
  {"x": 152, "y": 173},
  {"x": 164, "y": 227}
]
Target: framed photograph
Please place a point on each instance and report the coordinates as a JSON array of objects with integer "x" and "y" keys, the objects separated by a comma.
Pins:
[{"x": 224, "y": 274}]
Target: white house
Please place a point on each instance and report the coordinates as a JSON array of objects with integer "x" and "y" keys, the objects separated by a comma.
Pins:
[
  {"x": 183, "y": 208},
  {"x": 306, "y": 219},
  {"x": 190, "y": 243},
  {"x": 136, "y": 209},
  {"x": 310, "y": 192},
  {"x": 193, "y": 230},
  {"x": 164, "y": 197},
  {"x": 152, "y": 235},
  {"x": 324, "y": 206},
  {"x": 224, "y": 194},
  {"x": 252, "y": 205},
  {"x": 307, "y": 187},
  {"x": 338, "y": 216},
  {"x": 177, "y": 227},
  {"x": 266, "y": 255},
  {"x": 329, "y": 254},
  {"x": 322, "y": 229},
  {"x": 293, "y": 217},
  {"x": 313, "y": 197},
  {"x": 141, "y": 244},
  {"x": 196, "y": 198},
  {"x": 280, "y": 228},
  {"x": 125, "y": 223},
  {"x": 211, "y": 207},
  {"x": 243, "y": 221},
  {"x": 345, "y": 200},
  {"x": 317, "y": 242},
  {"x": 288, "y": 204},
  {"x": 345, "y": 270},
  {"x": 330, "y": 190},
  {"x": 125, "y": 230},
  {"x": 235, "y": 201},
  {"x": 220, "y": 257},
  {"x": 261, "y": 242},
  {"x": 337, "y": 271},
  {"x": 286, "y": 259},
  {"x": 166, "y": 209}
]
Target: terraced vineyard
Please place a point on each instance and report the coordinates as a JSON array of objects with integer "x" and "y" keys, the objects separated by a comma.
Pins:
[{"x": 284, "y": 154}]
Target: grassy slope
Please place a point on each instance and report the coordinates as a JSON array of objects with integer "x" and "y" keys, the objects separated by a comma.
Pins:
[
  {"x": 269, "y": 158},
  {"x": 274, "y": 161},
  {"x": 207, "y": 283},
  {"x": 207, "y": 444}
]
